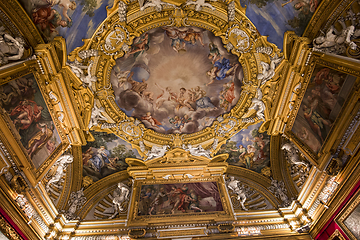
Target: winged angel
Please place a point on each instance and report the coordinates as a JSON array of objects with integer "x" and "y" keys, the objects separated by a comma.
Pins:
[{"x": 158, "y": 4}]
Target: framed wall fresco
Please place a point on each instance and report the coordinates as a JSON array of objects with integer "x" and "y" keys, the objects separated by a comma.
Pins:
[
  {"x": 156, "y": 201},
  {"x": 348, "y": 218},
  {"x": 321, "y": 105},
  {"x": 27, "y": 112}
]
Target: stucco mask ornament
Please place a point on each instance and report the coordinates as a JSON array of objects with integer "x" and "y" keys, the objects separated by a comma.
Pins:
[
  {"x": 235, "y": 186},
  {"x": 76, "y": 201},
  {"x": 279, "y": 190},
  {"x": 60, "y": 164}
]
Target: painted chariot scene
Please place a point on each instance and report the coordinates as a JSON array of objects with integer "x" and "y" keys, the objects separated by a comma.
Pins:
[
  {"x": 323, "y": 100},
  {"x": 159, "y": 199},
  {"x": 150, "y": 83},
  {"x": 22, "y": 100}
]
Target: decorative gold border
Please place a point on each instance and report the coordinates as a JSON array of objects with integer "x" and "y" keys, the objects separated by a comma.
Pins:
[
  {"x": 34, "y": 174},
  {"x": 337, "y": 234},
  {"x": 8, "y": 230},
  {"x": 338, "y": 64},
  {"x": 225, "y": 215},
  {"x": 345, "y": 213}
]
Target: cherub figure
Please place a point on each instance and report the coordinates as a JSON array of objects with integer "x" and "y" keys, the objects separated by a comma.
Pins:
[{"x": 151, "y": 120}]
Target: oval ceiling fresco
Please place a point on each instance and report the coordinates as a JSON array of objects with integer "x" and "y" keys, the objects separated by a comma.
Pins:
[{"x": 177, "y": 80}]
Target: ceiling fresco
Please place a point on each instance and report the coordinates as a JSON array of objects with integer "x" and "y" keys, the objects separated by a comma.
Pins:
[
  {"x": 22, "y": 100},
  {"x": 274, "y": 17},
  {"x": 249, "y": 149},
  {"x": 150, "y": 83},
  {"x": 178, "y": 118},
  {"x": 104, "y": 156},
  {"x": 65, "y": 17},
  {"x": 325, "y": 95}
]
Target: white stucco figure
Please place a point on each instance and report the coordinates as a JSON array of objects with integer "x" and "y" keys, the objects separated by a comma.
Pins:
[
  {"x": 199, "y": 4},
  {"x": 293, "y": 156},
  {"x": 197, "y": 151},
  {"x": 158, "y": 4},
  {"x": 61, "y": 165},
  {"x": 121, "y": 194},
  {"x": 10, "y": 48},
  {"x": 157, "y": 152},
  {"x": 96, "y": 116},
  {"x": 234, "y": 185}
]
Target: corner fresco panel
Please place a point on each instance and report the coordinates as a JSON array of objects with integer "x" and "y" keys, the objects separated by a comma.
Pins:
[
  {"x": 66, "y": 17},
  {"x": 249, "y": 149},
  {"x": 323, "y": 100},
  {"x": 274, "y": 17},
  {"x": 22, "y": 100},
  {"x": 105, "y": 156},
  {"x": 150, "y": 83}
]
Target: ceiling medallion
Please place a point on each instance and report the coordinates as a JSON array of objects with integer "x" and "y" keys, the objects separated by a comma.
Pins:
[{"x": 195, "y": 80}]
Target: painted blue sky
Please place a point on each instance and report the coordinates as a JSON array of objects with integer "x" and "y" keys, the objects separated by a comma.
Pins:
[
  {"x": 83, "y": 26},
  {"x": 244, "y": 137},
  {"x": 272, "y": 19}
]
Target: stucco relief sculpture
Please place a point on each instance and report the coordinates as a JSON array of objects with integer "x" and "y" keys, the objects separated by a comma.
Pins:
[
  {"x": 334, "y": 41},
  {"x": 10, "y": 48},
  {"x": 258, "y": 105},
  {"x": 199, "y": 4},
  {"x": 96, "y": 116},
  {"x": 156, "y": 152},
  {"x": 268, "y": 70},
  {"x": 121, "y": 195},
  {"x": 197, "y": 151},
  {"x": 235, "y": 186},
  {"x": 293, "y": 156},
  {"x": 77, "y": 68},
  {"x": 61, "y": 165},
  {"x": 158, "y": 4},
  {"x": 279, "y": 190},
  {"x": 76, "y": 201}
]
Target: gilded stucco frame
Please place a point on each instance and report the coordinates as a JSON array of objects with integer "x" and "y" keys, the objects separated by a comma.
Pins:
[
  {"x": 341, "y": 65},
  {"x": 9, "y": 134},
  {"x": 346, "y": 212},
  {"x": 226, "y": 215}
]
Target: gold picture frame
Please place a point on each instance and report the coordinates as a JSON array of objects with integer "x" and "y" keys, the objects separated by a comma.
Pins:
[
  {"x": 323, "y": 74},
  {"x": 10, "y": 129},
  {"x": 336, "y": 236},
  {"x": 348, "y": 218},
  {"x": 176, "y": 211}
]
